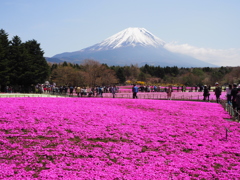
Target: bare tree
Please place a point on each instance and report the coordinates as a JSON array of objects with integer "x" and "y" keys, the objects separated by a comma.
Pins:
[
  {"x": 91, "y": 69},
  {"x": 67, "y": 75},
  {"x": 107, "y": 77},
  {"x": 97, "y": 74}
]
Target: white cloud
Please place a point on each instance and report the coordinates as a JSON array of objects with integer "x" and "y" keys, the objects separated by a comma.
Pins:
[{"x": 221, "y": 57}]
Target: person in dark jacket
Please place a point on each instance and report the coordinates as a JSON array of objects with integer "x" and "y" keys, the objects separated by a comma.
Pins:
[
  {"x": 228, "y": 93},
  {"x": 206, "y": 93},
  {"x": 218, "y": 92},
  {"x": 233, "y": 95},
  {"x": 71, "y": 90},
  {"x": 238, "y": 103}
]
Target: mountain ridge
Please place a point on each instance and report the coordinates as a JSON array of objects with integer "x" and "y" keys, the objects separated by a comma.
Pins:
[{"x": 132, "y": 46}]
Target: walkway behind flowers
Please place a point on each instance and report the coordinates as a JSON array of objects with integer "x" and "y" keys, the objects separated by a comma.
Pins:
[
  {"x": 141, "y": 95},
  {"x": 232, "y": 112},
  {"x": 163, "y": 95},
  {"x": 10, "y": 95}
]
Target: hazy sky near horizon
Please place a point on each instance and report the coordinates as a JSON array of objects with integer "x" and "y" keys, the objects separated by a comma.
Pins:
[{"x": 205, "y": 29}]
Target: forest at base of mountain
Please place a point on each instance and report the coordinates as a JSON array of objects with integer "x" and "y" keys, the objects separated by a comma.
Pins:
[{"x": 92, "y": 73}]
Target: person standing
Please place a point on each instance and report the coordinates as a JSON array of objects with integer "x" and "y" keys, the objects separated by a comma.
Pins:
[
  {"x": 228, "y": 93},
  {"x": 169, "y": 92},
  {"x": 83, "y": 91},
  {"x": 78, "y": 91},
  {"x": 100, "y": 91},
  {"x": 61, "y": 90},
  {"x": 209, "y": 88},
  {"x": 93, "y": 91},
  {"x": 71, "y": 91},
  {"x": 65, "y": 89},
  {"x": 233, "y": 95},
  {"x": 238, "y": 104},
  {"x": 206, "y": 93},
  {"x": 155, "y": 88},
  {"x": 134, "y": 91},
  {"x": 218, "y": 92},
  {"x": 113, "y": 91}
]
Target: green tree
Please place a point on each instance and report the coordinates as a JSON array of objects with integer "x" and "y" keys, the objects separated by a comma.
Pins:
[
  {"x": 142, "y": 76},
  {"x": 65, "y": 63},
  {"x": 53, "y": 66},
  {"x": 34, "y": 67},
  {"x": 4, "y": 59},
  {"x": 16, "y": 58},
  {"x": 198, "y": 72},
  {"x": 120, "y": 75},
  {"x": 21, "y": 64},
  {"x": 131, "y": 72}
]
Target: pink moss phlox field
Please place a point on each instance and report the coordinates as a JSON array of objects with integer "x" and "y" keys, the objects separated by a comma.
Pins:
[{"x": 102, "y": 138}]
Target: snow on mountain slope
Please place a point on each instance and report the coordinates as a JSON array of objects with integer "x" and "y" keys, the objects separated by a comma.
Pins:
[
  {"x": 132, "y": 46},
  {"x": 128, "y": 37}
]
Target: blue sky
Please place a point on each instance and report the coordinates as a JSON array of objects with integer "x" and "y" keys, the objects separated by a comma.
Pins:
[{"x": 206, "y": 29}]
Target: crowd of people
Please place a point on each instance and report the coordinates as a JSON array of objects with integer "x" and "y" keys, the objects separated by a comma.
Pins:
[
  {"x": 165, "y": 89},
  {"x": 233, "y": 98},
  {"x": 9, "y": 89},
  {"x": 80, "y": 91},
  {"x": 232, "y": 95},
  {"x": 217, "y": 92}
]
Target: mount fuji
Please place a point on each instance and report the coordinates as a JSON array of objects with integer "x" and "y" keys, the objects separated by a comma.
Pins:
[{"x": 131, "y": 46}]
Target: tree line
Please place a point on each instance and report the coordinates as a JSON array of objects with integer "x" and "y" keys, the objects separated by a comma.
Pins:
[
  {"x": 92, "y": 73},
  {"x": 88, "y": 74}
]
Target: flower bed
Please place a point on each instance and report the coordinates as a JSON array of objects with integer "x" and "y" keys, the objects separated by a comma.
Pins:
[{"x": 94, "y": 138}]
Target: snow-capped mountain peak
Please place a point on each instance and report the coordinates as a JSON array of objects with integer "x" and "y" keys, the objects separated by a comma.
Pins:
[
  {"x": 128, "y": 37},
  {"x": 132, "y": 46}
]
